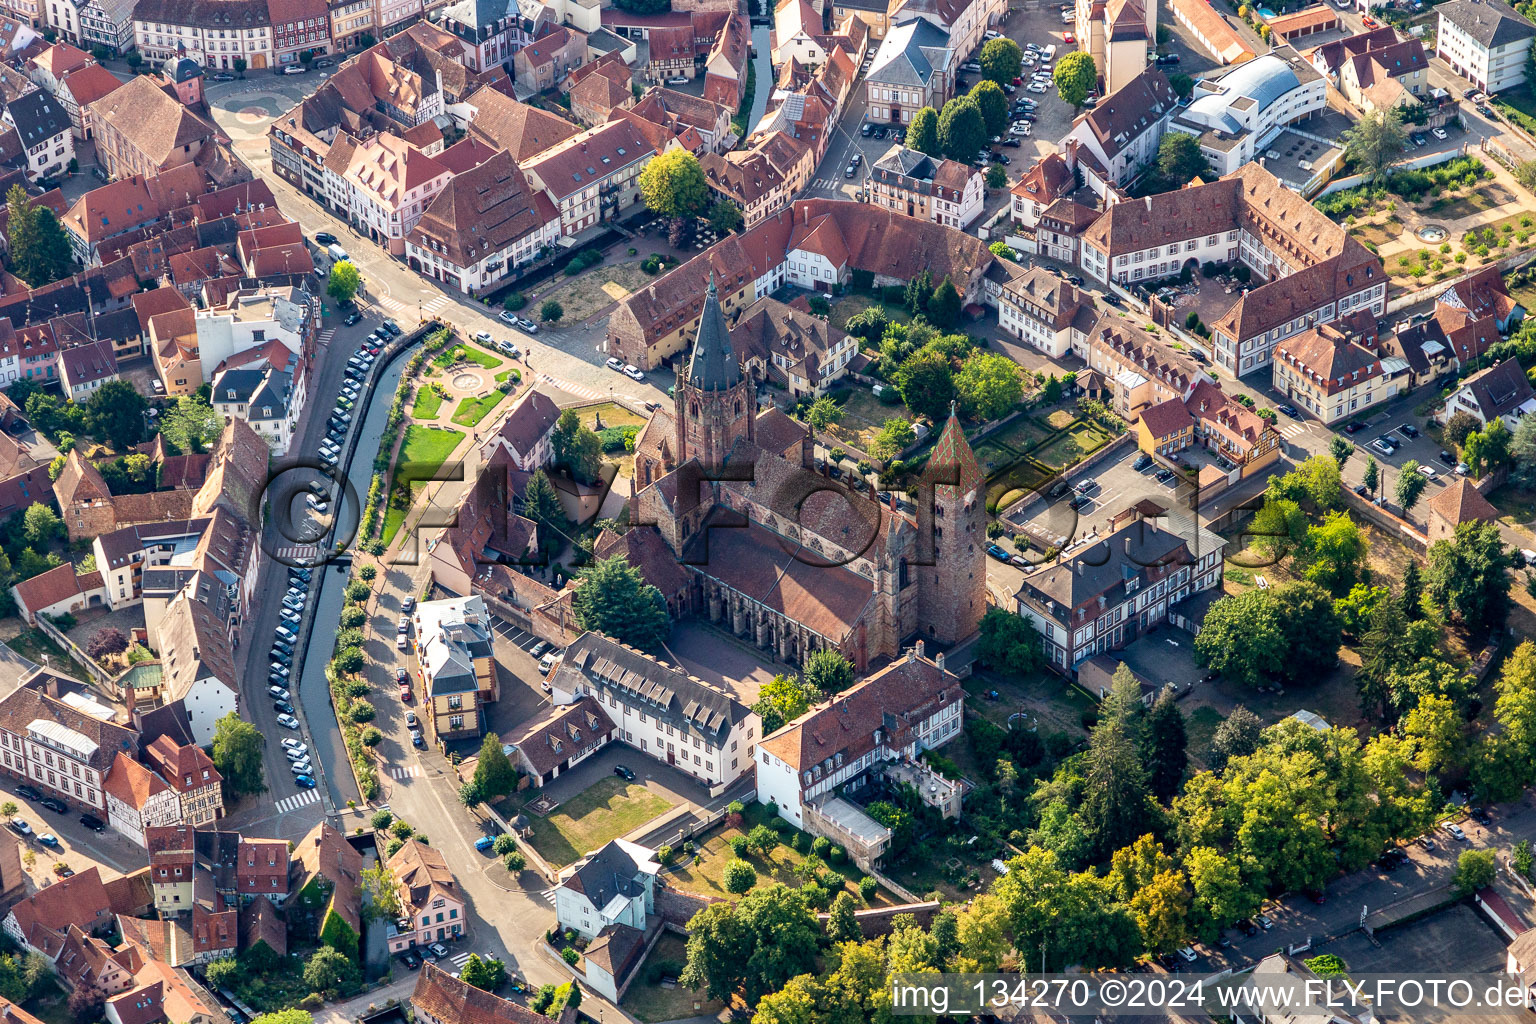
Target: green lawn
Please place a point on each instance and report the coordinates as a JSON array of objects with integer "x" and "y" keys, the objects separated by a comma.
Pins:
[
  {"x": 704, "y": 875},
  {"x": 648, "y": 1001},
  {"x": 603, "y": 811},
  {"x": 427, "y": 404},
  {"x": 424, "y": 450},
  {"x": 472, "y": 411}
]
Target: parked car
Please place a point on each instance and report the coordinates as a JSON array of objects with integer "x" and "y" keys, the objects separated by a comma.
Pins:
[
  {"x": 997, "y": 552},
  {"x": 1456, "y": 832},
  {"x": 614, "y": 363},
  {"x": 48, "y": 839},
  {"x": 287, "y": 721},
  {"x": 1142, "y": 462},
  {"x": 304, "y": 781},
  {"x": 633, "y": 372},
  {"x": 278, "y": 693},
  {"x": 282, "y": 707},
  {"x": 1408, "y": 430},
  {"x": 325, "y": 238},
  {"x": 352, "y": 318},
  {"x": 437, "y": 949},
  {"x": 20, "y": 827},
  {"x": 624, "y": 773},
  {"x": 54, "y": 804},
  {"x": 28, "y": 793},
  {"x": 93, "y": 823},
  {"x": 1289, "y": 410}
]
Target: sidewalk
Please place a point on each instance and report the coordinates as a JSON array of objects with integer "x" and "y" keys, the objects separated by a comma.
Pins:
[{"x": 348, "y": 1012}]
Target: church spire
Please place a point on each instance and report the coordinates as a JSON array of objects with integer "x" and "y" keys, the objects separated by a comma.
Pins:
[{"x": 714, "y": 366}]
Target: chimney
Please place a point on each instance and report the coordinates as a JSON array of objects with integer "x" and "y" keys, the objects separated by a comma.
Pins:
[
  {"x": 911, "y": 655},
  {"x": 1077, "y": 566},
  {"x": 938, "y": 659},
  {"x": 919, "y": 648},
  {"x": 1127, "y": 543}
]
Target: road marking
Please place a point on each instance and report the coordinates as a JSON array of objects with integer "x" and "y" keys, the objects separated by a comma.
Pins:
[
  {"x": 299, "y": 553},
  {"x": 1292, "y": 430},
  {"x": 548, "y": 895},
  {"x": 407, "y": 771},
  {"x": 300, "y": 799},
  {"x": 460, "y": 959},
  {"x": 326, "y": 335},
  {"x": 578, "y": 390}
]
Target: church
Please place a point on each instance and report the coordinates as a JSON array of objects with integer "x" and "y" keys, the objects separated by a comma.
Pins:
[{"x": 730, "y": 519}]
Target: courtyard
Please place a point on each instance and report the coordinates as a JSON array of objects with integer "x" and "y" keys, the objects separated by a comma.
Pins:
[
  {"x": 587, "y": 821},
  {"x": 594, "y": 290}
]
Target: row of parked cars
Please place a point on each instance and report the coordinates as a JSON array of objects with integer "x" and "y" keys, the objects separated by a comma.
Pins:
[{"x": 280, "y": 677}]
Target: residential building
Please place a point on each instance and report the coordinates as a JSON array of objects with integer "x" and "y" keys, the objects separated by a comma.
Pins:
[
  {"x": 1484, "y": 41},
  {"x": 797, "y": 34},
  {"x": 457, "y": 666},
  {"x": 677, "y": 112},
  {"x": 748, "y": 179},
  {"x": 138, "y": 799},
  {"x": 660, "y": 710},
  {"x": 389, "y": 183},
  {"x": 1139, "y": 368},
  {"x": 1501, "y": 392},
  {"x": 58, "y": 749},
  {"x": 1235, "y": 116},
  {"x": 725, "y": 66},
  {"x": 489, "y": 30},
  {"x": 326, "y": 882},
  {"x": 545, "y": 62},
  {"x": 191, "y": 774},
  {"x": 876, "y": 14},
  {"x": 431, "y": 904},
  {"x": 298, "y": 26},
  {"x": 943, "y": 191},
  {"x": 1231, "y": 431},
  {"x": 1113, "y": 141},
  {"x": 1333, "y": 376},
  {"x": 787, "y": 346},
  {"x": 350, "y": 21},
  {"x": 483, "y": 227},
  {"x": 1374, "y": 70},
  {"x": 442, "y": 998},
  {"x": 599, "y": 88},
  {"x": 1309, "y": 21},
  {"x": 614, "y": 887},
  {"x": 143, "y": 129},
  {"x": 262, "y": 397},
  {"x": 1041, "y": 309},
  {"x": 525, "y": 434},
  {"x": 593, "y": 177},
  {"x": 46, "y": 133},
  {"x": 814, "y": 768},
  {"x": 214, "y": 35},
  {"x": 57, "y": 591},
  {"x": 1282, "y": 986},
  {"x": 1050, "y": 179},
  {"x": 1307, "y": 269},
  {"x": 913, "y": 68},
  {"x": 1118, "y": 35},
  {"x": 557, "y": 740},
  {"x": 1102, "y": 595},
  {"x": 77, "y": 89},
  {"x": 41, "y": 922}
]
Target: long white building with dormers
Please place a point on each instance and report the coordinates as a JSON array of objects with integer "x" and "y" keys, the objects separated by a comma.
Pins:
[
  {"x": 1305, "y": 269},
  {"x": 814, "y": 768},
  {"x": 660, "y": 710}
]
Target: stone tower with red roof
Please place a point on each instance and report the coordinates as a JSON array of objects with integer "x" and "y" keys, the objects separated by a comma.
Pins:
[{"x": 952, "y": 591}]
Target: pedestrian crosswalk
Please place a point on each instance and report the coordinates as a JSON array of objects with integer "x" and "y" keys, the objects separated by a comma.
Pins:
[
  {"x": 300, "y": 554},
  {"x": 405, "y": 771},
  {"x": 827, "y": 184},
  {"x": 300, "y": 799},
  {"x": 460, "y": 959},
  {"x": 326, "y": 335},
  {"x": 432, "y": 306},
  {"x": 571, "y": 388},
  {"x": 1293, "y": 429},
  {"x": 403, "y": 306},
  {"x": 548, "y": 895}
]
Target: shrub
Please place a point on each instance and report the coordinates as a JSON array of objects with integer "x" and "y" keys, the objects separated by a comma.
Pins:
[
  {"x": 778, "y": 824},
  {"x": 570, "y": 956},
  {"x": 665, "y": 854},
  {"x": 821, "y": 846},
  {"x": 738, "y": 845},
  {"x": 381, "y": 819},
  {"x": 867, "y": 888},
  {"x": 837, "y": 855},
  {"x": 514, "y": 861},
  {"x": 514, "y": 302}
]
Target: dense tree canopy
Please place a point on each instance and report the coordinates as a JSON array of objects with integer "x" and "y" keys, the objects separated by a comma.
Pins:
[
  {"x": 613, "y": 598},
  {"x": 673, "y": 185}
]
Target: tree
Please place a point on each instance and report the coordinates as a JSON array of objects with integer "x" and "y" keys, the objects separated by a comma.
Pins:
[
  {"x": 1334, "y": 553},
  {"x": 222, "y": 973},
  {"x": 40, "y": 252},
  {"x": 1182, "y": 85},
  {"x": 1180, "y": 159},
  {"x": 106, "y": 642},
  {"x": 992, "y": 104},
  {"x": 828, "y": 672},
  {"x": 1372, "y": 474},
  {"x": 988, "y": 385},
  {"x": 1279, "y": 527},
  {"x": 1220, "y": 898},
  {"x": 870, "y": 324},
  {"x": 923, "y": 132},
  {"x": 551, "y": 310},
  {"x": 738, "y": 877},
  {"x": 962, "y": 129},
  {"x": 673, "y": 185},
  {"x": 494, "y": 774},
  {"x": 331, "y": 972},
  {"x": 1410, "y": 484},
  {"x": 1001, "y": 60},
  {"x": 292, "y": 1015},
  {"x": 487, "y": 975},
  {"x": 344, "y": 281},
  {"x": 383, "y": 891},
  {"x": 190, "y": 426},
  {"x": 945, "y": 304},
  {"x": 842, "y": 926},
  {"x": 926, "y": 383},
  {"x": 1075, "y": 76},
  {"x": 1522, "y": 452},
  {"x": 1238, "y": 736},
  {"x": 1311, "y": 629},
  {"x": 1459, "y": 427},
  {"x": 1341, "y": 450},
  {"x": 1164, "y": 747},
  {"x": 115, "y": 413},
  {"x": 783, "y": 699},
  {"x": 239, "y": 65},
  {"x": 542, "y": 505},
  {"x": 1115, "y": 807},
  {"x": 613, "y": 598},
  {"x": 725, "y": 216},
  {"x": 1241, "y": 637},
  {"x": 995, "y": 178},
  {"x": 1469, "y": 577},
  {"x": 755, "y": 945},
  {"x": 1010, "y": 643},
  {"x": 1487, "y": 449},
  {"x": 823, "y": 412},
  {"x": 237, "y": 754},
  {"x": 41, "y": 525},
  {"x": 1475, "y": 869},
  {"x": 1375, "y": 143}
]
